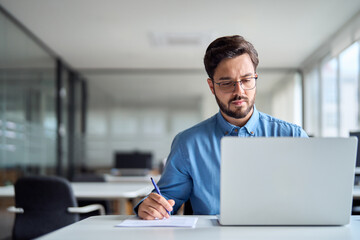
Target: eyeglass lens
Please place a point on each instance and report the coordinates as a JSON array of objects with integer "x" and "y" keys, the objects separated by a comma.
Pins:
[{"x": 246, "y": 84}]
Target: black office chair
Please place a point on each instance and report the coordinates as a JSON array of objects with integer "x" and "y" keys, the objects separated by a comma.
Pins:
[{"x": 44, "y": 204}]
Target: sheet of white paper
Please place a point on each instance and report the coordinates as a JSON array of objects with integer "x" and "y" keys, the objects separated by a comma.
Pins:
[{"x": 173, "y": 221}]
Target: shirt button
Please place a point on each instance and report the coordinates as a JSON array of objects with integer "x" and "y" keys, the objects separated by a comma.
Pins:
[
  {"x": 236, "y": 130},
  {"x": 226, "y": 133},
  {"x": 252, "y": 133}
]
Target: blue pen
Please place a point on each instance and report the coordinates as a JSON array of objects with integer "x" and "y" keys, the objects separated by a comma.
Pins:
[{"x": 157, "y": 190}]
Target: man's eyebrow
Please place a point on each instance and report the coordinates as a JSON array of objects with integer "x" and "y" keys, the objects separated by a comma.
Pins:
[
  {"x": 229, "y": 78},
  {"x": 225, "y": 78},
  {"x": 248, "y": 74}
]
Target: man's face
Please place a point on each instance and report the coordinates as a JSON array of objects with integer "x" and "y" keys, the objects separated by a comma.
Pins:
[{"x": 239, "y": 103}]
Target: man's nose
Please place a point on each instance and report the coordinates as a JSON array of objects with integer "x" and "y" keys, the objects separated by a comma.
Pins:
[{"x": 238, "y": 88}]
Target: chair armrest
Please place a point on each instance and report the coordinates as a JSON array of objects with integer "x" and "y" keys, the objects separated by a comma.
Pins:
[
  {"x": 13, "y": 209},
  {"x": 87, "y": 209}
]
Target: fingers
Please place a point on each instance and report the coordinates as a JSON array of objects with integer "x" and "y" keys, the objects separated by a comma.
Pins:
[
  {"x": 149, "y": 213},
  {"x": 155, "y": 206},
  {"x": 161, "y": 201},
  {"x": 171, "y": 202}
]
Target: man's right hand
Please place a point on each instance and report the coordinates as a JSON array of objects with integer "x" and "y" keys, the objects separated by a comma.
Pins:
[{"x": 154, "y": 207}]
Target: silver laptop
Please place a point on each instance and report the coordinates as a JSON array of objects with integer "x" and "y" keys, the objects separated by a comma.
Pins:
[{"x": 286, "y": 181}]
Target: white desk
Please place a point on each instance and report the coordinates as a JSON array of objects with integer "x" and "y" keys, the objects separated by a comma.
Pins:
[
  {"x": 207, "y": 227},
  {"x": 104, "y": 190},
  {"x": 119, "y": 191},
  {"x": 114, "y": 191}
]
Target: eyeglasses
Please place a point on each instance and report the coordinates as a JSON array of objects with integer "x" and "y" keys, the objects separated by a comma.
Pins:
[{"x": 246, "y": 83}]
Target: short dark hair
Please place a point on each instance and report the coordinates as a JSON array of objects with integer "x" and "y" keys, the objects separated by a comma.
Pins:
[{"x": 228, "y": 47}]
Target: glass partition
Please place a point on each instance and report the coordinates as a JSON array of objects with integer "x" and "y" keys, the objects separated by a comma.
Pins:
[{"x": 27, "y": 113}]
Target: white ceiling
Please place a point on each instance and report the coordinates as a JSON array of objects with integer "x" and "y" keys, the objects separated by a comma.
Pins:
[{"x": 120, "y": 35}]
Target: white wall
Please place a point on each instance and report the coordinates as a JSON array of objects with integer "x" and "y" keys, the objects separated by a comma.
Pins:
[
  {"x": 208, "y": 105},
  {"x": 287, "y": 100},
  {"x": 263, "y": 102},
  {"x": 151, "y": 126},
  {"x": 111, "y": 129},
  {"x": 114, "y": 126}
]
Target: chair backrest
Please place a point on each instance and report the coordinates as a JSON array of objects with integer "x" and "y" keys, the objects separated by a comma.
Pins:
[{"x": 45, "y": 201}]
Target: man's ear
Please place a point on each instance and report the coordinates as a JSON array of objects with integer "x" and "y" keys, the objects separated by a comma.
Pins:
[{"x": 211, "y": 85}]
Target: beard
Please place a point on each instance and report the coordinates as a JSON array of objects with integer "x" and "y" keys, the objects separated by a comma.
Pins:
[{"x": 238, "y": 113}]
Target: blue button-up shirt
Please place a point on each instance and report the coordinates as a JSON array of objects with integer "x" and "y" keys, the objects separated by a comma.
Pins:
[{"x": 193, "y": 166}]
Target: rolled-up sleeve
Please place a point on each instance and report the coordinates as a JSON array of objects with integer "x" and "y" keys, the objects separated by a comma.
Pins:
[{"x": 175, "y": 182}]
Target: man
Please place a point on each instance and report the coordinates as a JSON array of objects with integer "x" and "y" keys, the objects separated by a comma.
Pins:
[{"x": 192, "y": 170}]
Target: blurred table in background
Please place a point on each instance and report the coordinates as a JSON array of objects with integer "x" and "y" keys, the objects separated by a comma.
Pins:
[{"x": 119, "y": 192}]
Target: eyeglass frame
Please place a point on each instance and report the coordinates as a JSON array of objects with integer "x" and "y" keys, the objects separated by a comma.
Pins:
[{"x": 239, "y": 81}]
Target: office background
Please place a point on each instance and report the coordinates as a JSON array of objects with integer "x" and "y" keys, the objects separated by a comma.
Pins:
[{"x": 82, "y": 79}]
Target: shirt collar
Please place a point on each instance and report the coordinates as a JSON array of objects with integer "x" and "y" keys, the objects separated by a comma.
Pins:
[
  {"x": 253, "y": 122},
  {"x": 226, "y": 127}
]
